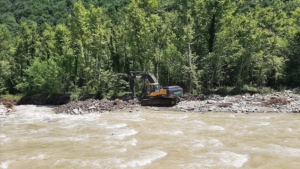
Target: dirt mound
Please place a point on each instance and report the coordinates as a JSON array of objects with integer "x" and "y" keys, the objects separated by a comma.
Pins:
[
  {"x": 278, "y": 101},
  {"x": 93, "y": 105},
  {"x": 6, "y": 106},
  {"x": 9, "y": 104}
]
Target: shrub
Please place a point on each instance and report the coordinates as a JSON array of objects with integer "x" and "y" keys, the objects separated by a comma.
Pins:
[
  {"x": 265, "y": 90},
  {"x": 245, "y": 87},
  {"x": 223, "y": 91},
  {"x": 43, "y": 77}
]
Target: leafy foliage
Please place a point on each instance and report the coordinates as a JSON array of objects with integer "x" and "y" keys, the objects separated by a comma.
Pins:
[
  {"x": 66, "y": 46},
  {"x": 42, "y": 77}
]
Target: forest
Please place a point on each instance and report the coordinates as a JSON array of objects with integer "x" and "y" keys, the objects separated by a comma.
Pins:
[{"x": 89, "y": 46}]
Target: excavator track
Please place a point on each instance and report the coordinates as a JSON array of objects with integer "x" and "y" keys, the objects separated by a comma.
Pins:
[{"x": 160, "y": 101}]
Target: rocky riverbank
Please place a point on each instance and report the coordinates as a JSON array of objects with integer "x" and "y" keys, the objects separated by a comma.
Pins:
[
  {"x": 96, "y": 106},
  {"x": 281, "y": 102}
]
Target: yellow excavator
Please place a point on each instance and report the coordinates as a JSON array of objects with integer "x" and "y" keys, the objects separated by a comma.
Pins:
[{"x": 153, "y": 94}]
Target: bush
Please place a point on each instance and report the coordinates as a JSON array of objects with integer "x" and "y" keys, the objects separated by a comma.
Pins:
[
  {"x": 223, "y": 91},
  {"x": 206, "y": 91},
  {"x": 265, "y": 90},
  {"x": 4, "y": 75},
  {"x": 43, "y": 77},
  {"x": 76, "y": 95},
  {"x": 245, "y": 87},
  {"x": 235, "y": 91},
  {"x": 110, "y": 83},
  {"x": 253, "y": 89},
  {"x": 12, "y": 97}
]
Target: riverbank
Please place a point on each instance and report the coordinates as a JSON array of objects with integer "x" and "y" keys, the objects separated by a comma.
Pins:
[{"x": 280, "y": 102}]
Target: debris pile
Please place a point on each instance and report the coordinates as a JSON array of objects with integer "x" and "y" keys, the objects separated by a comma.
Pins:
[
  {"x": 283, "y": 102},
  {"x": 96, "y": 106},
  {"x": 279, "y": 101},
  {"x": 6, "y": 106}
]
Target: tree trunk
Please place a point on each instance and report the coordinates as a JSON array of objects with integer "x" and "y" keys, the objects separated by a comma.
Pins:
[
  {"x": 190, "y": 67},
  {"x": 211, "y": 39}
]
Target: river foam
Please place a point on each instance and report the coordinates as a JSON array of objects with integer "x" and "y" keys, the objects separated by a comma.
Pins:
[
  {"x": 143, "y": 158},
  {"x": 220, "y": 159},
  {"x": 285, "y": 151},
  {"x": 207, "y": 142},
  {"x": 5, "y": 164}
]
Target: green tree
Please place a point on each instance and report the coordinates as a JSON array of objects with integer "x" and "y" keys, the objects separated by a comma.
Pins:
[
  {"x": 135, "y": 21},
  {"x": 43, "y": 77},
  {"x": 185, "y": 35},
  {"x": 292, "y": 68},
  {"x": 27, "y": 46},
  {"x": 250, "y": 44},
  {"x": 64, "y": 55},
  {"x": 5, "y": 59},
  {"x": 47, "y": 43}
]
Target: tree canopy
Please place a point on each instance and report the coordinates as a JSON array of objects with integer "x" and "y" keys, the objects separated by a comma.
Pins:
[{"x": 62, "y": 46}]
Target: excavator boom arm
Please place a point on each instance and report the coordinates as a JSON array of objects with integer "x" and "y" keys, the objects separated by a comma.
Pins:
[{"x": 141, "y": 75}]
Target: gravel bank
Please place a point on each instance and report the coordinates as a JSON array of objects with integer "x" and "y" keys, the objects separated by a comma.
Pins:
[
  {"x": 281, "y": 102},
  {"x": 96, "y": 106}
]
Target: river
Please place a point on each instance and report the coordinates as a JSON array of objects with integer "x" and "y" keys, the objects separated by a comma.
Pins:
[{"x": 36, "y": 138}]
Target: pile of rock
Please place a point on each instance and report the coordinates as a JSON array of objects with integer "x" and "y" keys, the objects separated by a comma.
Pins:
[
  {"x": 285, "y": 102},
  {"x": 96, "y": 106},
  {"x": 193, "y": 97}
]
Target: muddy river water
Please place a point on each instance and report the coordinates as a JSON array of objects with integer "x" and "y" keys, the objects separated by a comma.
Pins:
[{"x": 35, "y": 137}]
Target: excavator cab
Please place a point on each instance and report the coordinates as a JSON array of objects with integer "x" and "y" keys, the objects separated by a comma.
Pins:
[{"x": 153, "y": 87}]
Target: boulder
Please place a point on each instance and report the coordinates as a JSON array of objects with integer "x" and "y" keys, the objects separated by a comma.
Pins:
[
  {"x": 76, "y": 111},
  {"x": 296, "y": 90}
]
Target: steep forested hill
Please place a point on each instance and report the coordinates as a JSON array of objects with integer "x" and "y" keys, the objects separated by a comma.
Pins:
[
  {"x": 53, "y": 12},
  {"x": 62, "y": 46}
]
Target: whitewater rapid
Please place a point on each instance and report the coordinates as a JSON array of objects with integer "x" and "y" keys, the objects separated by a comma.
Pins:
[{"x": 36, "y": 137}]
